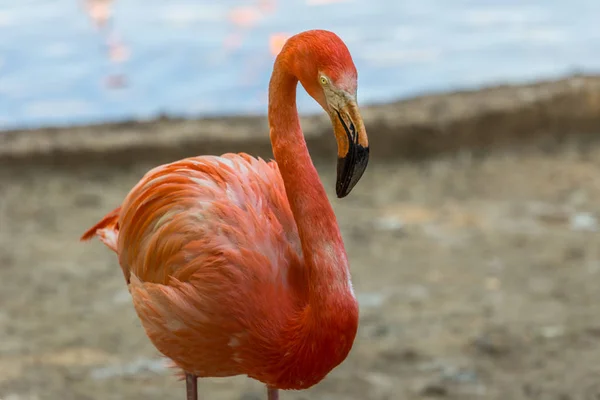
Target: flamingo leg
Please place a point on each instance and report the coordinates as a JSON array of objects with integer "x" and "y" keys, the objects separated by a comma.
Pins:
[
  {"x": 273, "y": 394},
  {"x": 191, "y": 386}
]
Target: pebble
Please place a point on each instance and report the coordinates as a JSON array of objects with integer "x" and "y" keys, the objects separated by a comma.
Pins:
[
  {"x": 551, "y": 332},
  {"x": 584, "y": 222}
]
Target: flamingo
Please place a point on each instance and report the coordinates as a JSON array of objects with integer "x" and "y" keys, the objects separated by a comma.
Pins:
[{"x": 236, "y": 266}]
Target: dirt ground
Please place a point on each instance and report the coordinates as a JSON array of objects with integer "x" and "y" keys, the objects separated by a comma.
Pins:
[{"x": 477, "y": 279}]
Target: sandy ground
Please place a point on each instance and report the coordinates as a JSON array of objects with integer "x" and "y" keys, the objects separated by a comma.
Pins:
[{"x": 477, "y": 279}]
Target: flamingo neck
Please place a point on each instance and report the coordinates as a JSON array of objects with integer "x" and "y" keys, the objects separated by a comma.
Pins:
[{"x": 322, "y": 246}]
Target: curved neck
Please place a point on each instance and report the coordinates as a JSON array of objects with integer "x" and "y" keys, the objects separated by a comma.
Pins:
[{"x": 322, "y": 246}]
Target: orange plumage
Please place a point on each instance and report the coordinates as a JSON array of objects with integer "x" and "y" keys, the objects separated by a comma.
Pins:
[{"x": 236, "y": 265}]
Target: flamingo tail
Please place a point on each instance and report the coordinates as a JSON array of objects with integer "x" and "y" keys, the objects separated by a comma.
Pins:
[{"x": 107, "y": 230}]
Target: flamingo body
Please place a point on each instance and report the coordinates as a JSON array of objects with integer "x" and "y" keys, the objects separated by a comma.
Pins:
[{"x": 211, "y": 252}]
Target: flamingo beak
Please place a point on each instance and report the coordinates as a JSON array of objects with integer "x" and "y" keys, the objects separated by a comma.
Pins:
[{"x": 353, "y": 147}]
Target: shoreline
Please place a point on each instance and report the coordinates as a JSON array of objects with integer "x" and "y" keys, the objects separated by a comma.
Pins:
[{"x": 487, "y": 118}]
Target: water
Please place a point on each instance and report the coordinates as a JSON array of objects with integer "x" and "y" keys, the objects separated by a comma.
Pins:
[{"x": 53, "y": 63}]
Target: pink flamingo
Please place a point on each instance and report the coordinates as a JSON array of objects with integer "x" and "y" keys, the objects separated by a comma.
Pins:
[{"x": 236, "y": 265}]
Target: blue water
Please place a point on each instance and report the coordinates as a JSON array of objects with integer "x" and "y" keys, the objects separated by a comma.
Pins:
[{"x": 53, "y": 63}]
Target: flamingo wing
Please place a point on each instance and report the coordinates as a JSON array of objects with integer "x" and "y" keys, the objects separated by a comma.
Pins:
[{"x": 198, "y": 208}]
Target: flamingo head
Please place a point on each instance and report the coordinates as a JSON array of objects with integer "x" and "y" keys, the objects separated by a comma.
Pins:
[{"x": 325, "y": 69}]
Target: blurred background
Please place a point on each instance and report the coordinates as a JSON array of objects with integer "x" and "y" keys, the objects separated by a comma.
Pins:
[
  {"x": 473, "y": 235},
  {"x": 89, "y": 61}
]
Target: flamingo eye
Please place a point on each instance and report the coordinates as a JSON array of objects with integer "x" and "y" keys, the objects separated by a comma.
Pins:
[{"x": 324, "y": 81}]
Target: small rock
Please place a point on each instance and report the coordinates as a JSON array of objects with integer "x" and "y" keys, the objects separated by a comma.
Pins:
[
  {"x": 434, "y": 389},
  {"x": 551, "y": 332},
  {"x": 584, "y": 222}
]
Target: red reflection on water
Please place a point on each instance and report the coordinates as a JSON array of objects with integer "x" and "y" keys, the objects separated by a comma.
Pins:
[{"x": 100, "y": 12}]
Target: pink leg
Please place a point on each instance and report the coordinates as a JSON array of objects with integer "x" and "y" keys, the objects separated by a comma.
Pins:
[
  {"x": 273, "y": 394},
  {"x": 191, "y": 386}
]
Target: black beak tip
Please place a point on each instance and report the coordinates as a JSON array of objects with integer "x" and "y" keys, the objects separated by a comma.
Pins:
[
  {"x": 350, "y": 169},
  {"x": 340, "y": 192}
]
